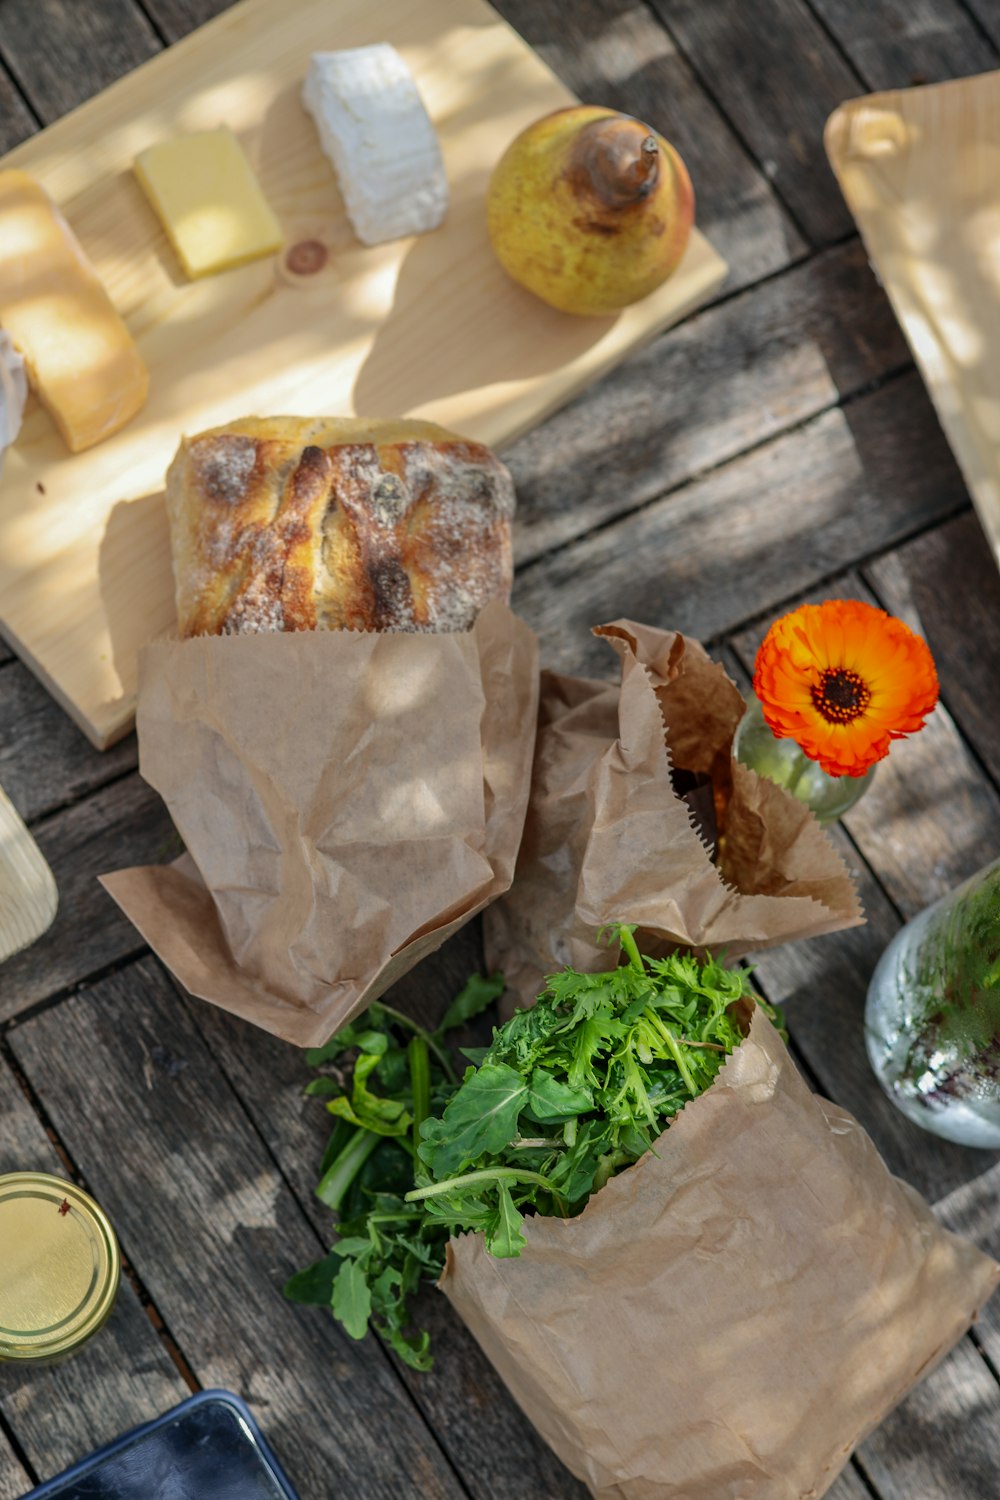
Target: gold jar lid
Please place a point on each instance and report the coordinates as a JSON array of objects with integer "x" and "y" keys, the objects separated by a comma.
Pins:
[{"x": 59, "y": 1266}]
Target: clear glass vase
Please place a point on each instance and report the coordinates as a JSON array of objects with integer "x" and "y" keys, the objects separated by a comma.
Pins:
[
  {"x": 782, "y": 761},
  {"x": 932, "y": 1021}
]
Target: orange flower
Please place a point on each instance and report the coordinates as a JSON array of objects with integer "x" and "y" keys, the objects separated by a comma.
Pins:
[{"x": 842, "y": 679}]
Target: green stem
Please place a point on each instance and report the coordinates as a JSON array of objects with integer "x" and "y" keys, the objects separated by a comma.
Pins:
[
  {"x": 334, "y": 1184},
  {"x": 442, "y": 1056},
  {"x": 628, "y": 942},
  {"x": 420, "y": 1085},
  {"x": 485, "y": 1174},
  {"x": 675, "y": 1052}
]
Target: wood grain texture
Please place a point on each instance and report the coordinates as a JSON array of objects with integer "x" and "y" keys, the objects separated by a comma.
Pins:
[
  {"x": 28, "y": 896},
  {"x": 175, "y": 18},
  {"x": 14, "y": 1478},
  {"x": 986, "y": 13},
  {"x": 63, "y": 51},
  {"x": 943, "y": 1440},
  {"x": 918, "y": 169},
  {"x": 777, "y": 80},
  {"x": 753, "y": 532},
  {"x": 727, "y": 379},
  {"x": 492, "y": 1445},
  {"x": 971, "y": 1209},
  {"x": 430, "y": 326},
  {"x": 16, "y": 119},
  {"x": 121, "y": 1377},
  {"x": 214, "y": 1232},
  {"x": 947, "y": 584},
  {"x": 614, "y": 52},
  {"x": 930, "y": 818},
  {"x": 897, "y": 43},
  {"x": 124, "y": 824},
  {"x": 45, "y": 761}
]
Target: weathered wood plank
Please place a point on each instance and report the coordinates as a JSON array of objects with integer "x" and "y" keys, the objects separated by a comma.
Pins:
[
  {"x": 175, "y": 18},
  {"x": 63, "y": 51},
  {"x": 122, "y": 825},
  {"x": 45, "y": 761},
  {"x": 491, "y": 1444},
  {"x": 14, "y": 1478},
  {"x": 613, "y": 52},
  {"x": 753, "y": 532},
  {"x": 848, "y": 1486},
  {"x": 777, "y": 78},
  {"x": 943, "y": 1440},
  {"x": 16, "y": 124},
  {"x": 897, "y": 43},
  {"x": 123, "y": 1376},
  {"x": 725, "y": 380},
  {"x": 971, "y": 1209},
  {"x": 930, "y": 817},
  {"x": 946, "y": 584},
  {"x": 988, "y": 16},
  {"x": 214, "y": 1232}
]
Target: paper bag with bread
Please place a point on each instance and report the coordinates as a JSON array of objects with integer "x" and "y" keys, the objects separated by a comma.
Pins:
[{"x": 343, "y": 730}]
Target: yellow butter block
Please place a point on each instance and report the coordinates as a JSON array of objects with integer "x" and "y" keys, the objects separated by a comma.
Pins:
[
  {"x": 80, "y": 357},
  {"x": 208, "y": 200}
]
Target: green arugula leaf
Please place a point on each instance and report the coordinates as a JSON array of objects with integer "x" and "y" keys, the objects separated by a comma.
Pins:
[
  {"x": 352, "y": 1299},
  {"x": 503, "y": 1233},
  {"x": 315, "y": 1283},
  {"x": 471, "y": 1001},
  {"x": 482, "y": 1117},
  {"x": 550, "y": 1101}
]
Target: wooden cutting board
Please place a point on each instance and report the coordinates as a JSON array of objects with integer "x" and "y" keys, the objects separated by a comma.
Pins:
[
  {"x": 920, "y": 169},
  {"x": 427, "y": 327}
]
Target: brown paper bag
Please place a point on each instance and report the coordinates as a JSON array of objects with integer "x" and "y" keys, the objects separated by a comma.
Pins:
[
  {"x": 729, "y": 1317},
  {"x": 606, "y": 839},
  {"x": 347, "y": 801}
]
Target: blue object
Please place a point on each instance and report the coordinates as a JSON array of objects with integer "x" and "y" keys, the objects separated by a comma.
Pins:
[{"x": 208, "y": 1448}]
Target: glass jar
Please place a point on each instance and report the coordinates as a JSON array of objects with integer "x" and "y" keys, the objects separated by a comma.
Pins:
[
  {"x": 932, "y": 1020},
  {"x": 781, "y": 761},
  {"x": 59, "y": 1267}
]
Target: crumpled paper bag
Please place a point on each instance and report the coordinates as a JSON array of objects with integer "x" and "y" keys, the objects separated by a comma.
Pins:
[
  {"x": 606, "y": 839},
  {"x": 729, "y": 1317},
  {"x": 347, "y": 801}
]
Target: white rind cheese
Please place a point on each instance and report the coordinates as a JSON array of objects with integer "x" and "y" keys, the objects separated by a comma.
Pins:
[
  {"x": 374, "y": 128},
  {"x": 13, "y": 393}
]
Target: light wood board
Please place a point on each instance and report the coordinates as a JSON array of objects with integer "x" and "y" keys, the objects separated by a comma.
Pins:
[
  {"x": 28, "y": 897},
  {"x": 920, "y": 169},
  {"x": 426, "y": 327}
]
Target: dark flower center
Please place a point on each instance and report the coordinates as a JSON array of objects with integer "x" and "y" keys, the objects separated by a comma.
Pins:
[{"x": 841, "y": 696}]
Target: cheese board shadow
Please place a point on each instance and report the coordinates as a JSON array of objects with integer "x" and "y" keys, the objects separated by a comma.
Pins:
[{"x": 429, "y": 328}]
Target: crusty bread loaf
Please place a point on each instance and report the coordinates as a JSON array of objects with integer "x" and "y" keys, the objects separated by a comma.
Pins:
[{"x": 294, "y": 523}]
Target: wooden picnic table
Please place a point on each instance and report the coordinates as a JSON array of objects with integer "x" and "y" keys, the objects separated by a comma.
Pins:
[{"x": 777, "y": 445}]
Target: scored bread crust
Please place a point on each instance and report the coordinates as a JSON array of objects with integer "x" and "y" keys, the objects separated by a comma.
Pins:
[{"x": 304, "y": 523}]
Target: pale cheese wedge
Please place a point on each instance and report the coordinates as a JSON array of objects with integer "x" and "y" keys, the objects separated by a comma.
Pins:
[
  {"x": 81, "y": 359},
  {"x": 208, "y": 200}
]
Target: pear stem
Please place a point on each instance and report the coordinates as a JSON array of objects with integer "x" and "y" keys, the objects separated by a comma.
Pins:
[{"x": 618, "y": 159}]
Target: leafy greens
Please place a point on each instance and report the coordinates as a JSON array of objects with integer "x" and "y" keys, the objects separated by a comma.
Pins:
[{"x": 567, "y": 1094}]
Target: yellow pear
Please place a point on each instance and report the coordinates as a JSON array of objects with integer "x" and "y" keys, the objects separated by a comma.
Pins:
[{"x": 589, "y": 209}]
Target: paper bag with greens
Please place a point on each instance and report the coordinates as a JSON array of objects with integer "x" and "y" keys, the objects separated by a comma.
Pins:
[
  {"x": 609, "y": 834},
  {"x": 697, "y": 1278}
]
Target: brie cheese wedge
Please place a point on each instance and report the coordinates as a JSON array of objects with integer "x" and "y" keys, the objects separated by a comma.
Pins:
[{"x": 374, "y": 128}]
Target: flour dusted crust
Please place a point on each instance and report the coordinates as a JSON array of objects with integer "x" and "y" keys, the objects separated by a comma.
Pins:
[{"x": 291, "y": 523}]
